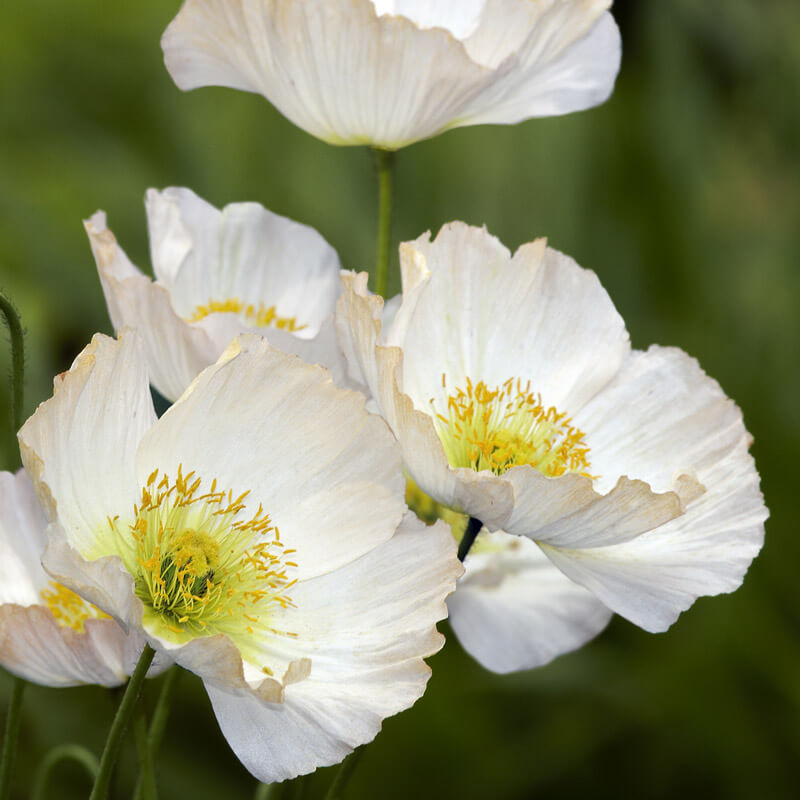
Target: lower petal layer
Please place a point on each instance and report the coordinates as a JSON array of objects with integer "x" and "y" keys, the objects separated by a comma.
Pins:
[
  {"x": 365, "y": 629},
  {"x": 514, "y": 610},
  {"x": 35, "y": 647},
  {"x": 651, "y": 579}
]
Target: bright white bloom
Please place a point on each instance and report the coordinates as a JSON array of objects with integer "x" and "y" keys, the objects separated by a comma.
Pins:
[
  {"x": 218, "y": 274},
  {"x": 391, "y": 72},
  {"x": 48, "y": 634},
  {"x": 512, "y": 387},
  {"x": 256, "y": 533}
]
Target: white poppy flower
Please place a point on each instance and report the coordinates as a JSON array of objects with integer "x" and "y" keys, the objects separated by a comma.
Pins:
[
  {"x": 218, "y": 274},
  {"x": 391, "y": 72},
  {"x": 515, "y": 395},
  {"x": 256, "y": 533},
  {"x": 48, "y": 634}
]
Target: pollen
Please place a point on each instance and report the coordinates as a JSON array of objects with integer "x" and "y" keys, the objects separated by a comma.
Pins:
[
  {"x": 257, "y": 316},
  {"x": 68, "y": 608},
  {"x": 494, "y": 429},
  {"x": 204, "y": 564}
]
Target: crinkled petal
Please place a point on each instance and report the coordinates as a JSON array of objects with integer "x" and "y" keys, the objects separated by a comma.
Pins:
[
  {"x": 175, "y": 350},
  {"x": 567, "y": 512},
  {"x": 22, "y": 526},
  {"x": 333, "y": 67},
  {"x": 514, "y": 610},
  {"x": 660, "y": 418},
  {"x": 490, "y": 317},
  {"x": 366, "y": 629},
  {"x": 104, "y": 582},
  {"x": 35, "y": 647},
  {"x": 79, "y": 446},
  {"x": 706, "y": 551},
  {"x": 391, "y": 72},
  {"x": 259, "y": 421},
  {"x": 33, "y": 644},
  {"x": 460, "y": 17},
  {"x": 567, "y": 62},
  {"x": 243, "y": 252},
  {"x": 480, "y": 494}
]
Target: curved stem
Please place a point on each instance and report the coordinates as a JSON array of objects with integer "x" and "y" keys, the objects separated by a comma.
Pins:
[
  {"x": 384, "y": 162},
  {"x": 12, "y": 734},
  {"x": 17, "y": 359},
  {"x": 120, "y": 724},
  {"x": 159, "y": 723},
  {"x": 468, "y": 539},
  {"x": 64, "y": 752},
  {"x": 344, "y": 774}
]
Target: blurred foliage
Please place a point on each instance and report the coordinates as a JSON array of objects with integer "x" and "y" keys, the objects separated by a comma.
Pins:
[{"x": 681, "y": 192}]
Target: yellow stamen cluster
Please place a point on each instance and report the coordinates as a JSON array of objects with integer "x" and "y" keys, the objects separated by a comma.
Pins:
[
  {"x": 68, "y": 608},
  {"x": 201, "y": 564},
  {"x": 495, "y": 429},
  {"x": 257, "y": 316}
]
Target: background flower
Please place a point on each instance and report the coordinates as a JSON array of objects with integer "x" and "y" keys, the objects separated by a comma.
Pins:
[
  {"x": 391, "y": 72},
  {"x": 49, "y": 635},
  {"x": 219, "y": 273}
]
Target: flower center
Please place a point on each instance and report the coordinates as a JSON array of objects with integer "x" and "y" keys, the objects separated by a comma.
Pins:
[
  {"x": 201, "y": 564},
  {"x": 256, "y": 316},
  {"x": 494, "y": 429},
  {"x": 68, "y": 608}
]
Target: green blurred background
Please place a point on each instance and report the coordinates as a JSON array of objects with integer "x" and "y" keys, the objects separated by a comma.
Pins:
[{"x": 681, "y": 192}]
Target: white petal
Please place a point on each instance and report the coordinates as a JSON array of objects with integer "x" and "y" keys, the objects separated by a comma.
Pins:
[
  {"x": 326, "y": 472},
  {"x": 568, "y": 62},
  {"x": 706, "y": 551},
  {"x": 486, "y": 316},
  {"x": 35, "y": 647},
  {"x": 333, "y": 67},
  {"x": 79, "y": 446},
  {"x": 562, "y": 512},
  {"x": 104, "y": 582},
  {"x": 33, "y": 644},
  {"x": 366, "y": 629},
  {"x": 243, "y": 252},
  {"x": 514, "y": 610},
  {"x": 175, "y": 350},
  {"x": 377, "y": 611},
  {"x": 22, "y": 526},
  {"x": 460, "y": 17},
  {"x": 676, "y": 420},
  {"x": 482, "y": 495}
]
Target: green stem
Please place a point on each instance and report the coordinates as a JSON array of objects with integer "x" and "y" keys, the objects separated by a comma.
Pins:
[
  {"x": 64, "y": 752},
  {"x": 120, "y": 724},
  {"x": 468, "y": 539},
  {"x": 12, "y": 734},
  {"x": 384, "y": 162},
  {"x": 159, "y": 723},
  {"x": 336, "y": 791},
  {"x": 264, "y": 791},
  {"x": 146, "y": 783},
  {"x": 17, "y": 360}
]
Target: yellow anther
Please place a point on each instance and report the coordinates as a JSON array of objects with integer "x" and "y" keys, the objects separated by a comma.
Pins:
[
  {"x": 257, "y": 316},
  {"x": 69, "y": 609},
  {"x": 508, "y": 426}
]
